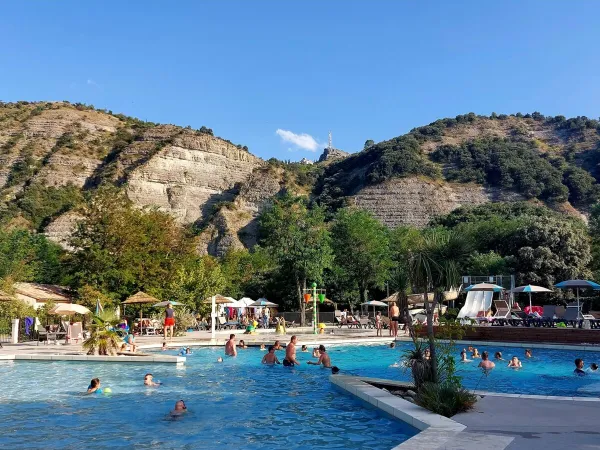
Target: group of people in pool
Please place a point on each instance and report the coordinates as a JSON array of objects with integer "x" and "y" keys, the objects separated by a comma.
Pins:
[
  {"x": 579, "y": 368},
  {"x": 488, "y": 364},
  {"x": 290, "y": 359}
]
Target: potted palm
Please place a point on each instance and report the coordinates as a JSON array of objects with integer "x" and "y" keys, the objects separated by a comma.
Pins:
[{"x": 103, "y": 339}]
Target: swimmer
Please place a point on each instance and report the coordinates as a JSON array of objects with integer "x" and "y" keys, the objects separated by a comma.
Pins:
[
  {"x": 393, "y": 345},
  {"x": 579, "y": 368},
  {"x": 334, "y": 370},
  {"x": 148, "y": 381},
  {"x": 528, "y": 353},
  {"x": 164, "y": 346},
  {"x": 593, "y": 368},
  {"x": 498, "y": 356},
  {"x": 304, "y": 348},
  {"x": 485, "y": 363},
  {"x": 475, "y": 354},
  {"x": 323, "y": 358},
  {"x": 220, "y": 359},
  {"x": 230, "y": 349},
  {"x": 463, "y": 357},
  {"x": 270, "y": 358},
  {"x": 470, "y": 348},
  {"x": 315, "y": 352},
  {"x": 188, "y": 351},
  {"x": 290, "y": 353},
  {"x": 179, "y": 409},
  {"x": 277, "y": 345},
  {"x": 242, "y": 344},
  {"x": 94, "y": 386},
  {"x": 515, "y": 363},
  {"x": 427, "y": 354},
  {"x": 262, "y": 347}
]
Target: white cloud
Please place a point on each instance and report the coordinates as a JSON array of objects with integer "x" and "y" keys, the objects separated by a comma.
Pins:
[
  {"x": 303, "y": 141},
  {"x": 91, "y": 82}
]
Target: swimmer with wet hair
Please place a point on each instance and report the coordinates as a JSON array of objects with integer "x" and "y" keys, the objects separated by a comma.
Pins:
[{"x": 179, "y": 409}]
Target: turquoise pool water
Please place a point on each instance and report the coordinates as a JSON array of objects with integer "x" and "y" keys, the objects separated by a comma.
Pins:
[{"x": 237, "y": 404}]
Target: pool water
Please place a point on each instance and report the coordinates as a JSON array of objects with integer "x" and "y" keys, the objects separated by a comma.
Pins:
[{"x": 236, "y": 404}]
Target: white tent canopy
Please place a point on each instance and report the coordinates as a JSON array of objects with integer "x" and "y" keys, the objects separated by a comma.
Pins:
[{"x": 245, "y": 301}]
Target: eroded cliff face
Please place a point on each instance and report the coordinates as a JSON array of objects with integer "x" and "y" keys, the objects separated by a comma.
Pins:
[
  {"x": 190, "y": 176},
  {"x": 415, "y": 200}
]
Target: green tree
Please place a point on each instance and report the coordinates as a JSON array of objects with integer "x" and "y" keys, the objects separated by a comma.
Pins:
[
  {"x": 299, "y": 241},
  {"x": 435, "y": 264},
  {"x": 121, "y": 249},
  {"x": 247, "y": 272},
  {"x": 361, "y": 249},
  {"x": 368, "y": 143}
]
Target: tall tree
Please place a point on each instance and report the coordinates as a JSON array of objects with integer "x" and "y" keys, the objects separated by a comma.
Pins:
[
  {"x": 299, "y": 240},
  {"x": 120, "y": 249},
  {"x": 361, "y": 249},
  {"x": 435, "y": 263}
]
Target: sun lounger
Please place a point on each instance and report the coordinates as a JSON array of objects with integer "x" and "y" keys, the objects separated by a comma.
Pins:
[
  {"x": 364, "y": 322},
  {"x": 572, "y": 317}
]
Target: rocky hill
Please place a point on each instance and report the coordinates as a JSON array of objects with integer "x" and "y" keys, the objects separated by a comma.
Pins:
[{"x": 53, "y": 154}]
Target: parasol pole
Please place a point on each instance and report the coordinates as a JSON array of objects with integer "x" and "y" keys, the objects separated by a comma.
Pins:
[
  {"x": 314, "y": 286},
  {"x": 530, "y": 306},
  {"x": 578, "y": 309},
  {"x": 213, "y": 315}
]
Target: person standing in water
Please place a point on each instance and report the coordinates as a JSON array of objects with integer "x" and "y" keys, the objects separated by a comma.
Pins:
[
  {"x": 290, "y": 353},
  {"x": 323, "y": 358},
  {"x": 270, "y": 358},
  {"x": 169, "y": 321},
  {"x": 230, "y": 349},
  {"x": 395, "y": 319}
]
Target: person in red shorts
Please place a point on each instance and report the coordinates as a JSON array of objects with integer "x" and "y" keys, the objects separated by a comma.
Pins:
[{"x": 169, "y": 320}]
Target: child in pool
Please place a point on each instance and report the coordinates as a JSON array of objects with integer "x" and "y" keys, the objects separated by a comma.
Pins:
[
  {"x": 515, "y": 363},
  {"x": 475, "y": 354},
  {"x": 270, "y": 358},
  {"x": 149, "y": 382},
  {"x": 94, "y": 386},
  {"x": 262, "y": 347}
]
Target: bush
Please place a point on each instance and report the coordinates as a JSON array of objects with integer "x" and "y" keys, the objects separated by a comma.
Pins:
[{"x": 445, "y": 399}]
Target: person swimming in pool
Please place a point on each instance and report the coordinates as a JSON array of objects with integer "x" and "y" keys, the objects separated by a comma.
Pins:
[
  {"x": 164, "y": 346},
  {"x": 179, "y": 409},
  {"x": 290, "y": 353},
  {"x": 277, "y": 345},
  {"x": 242, "y": 344},
  {"x": 528, "y": 353},
  {"x": 593, "y": 368},
  {"x": 230, "y": 349},
  {"x": 270, "y": 358},
  {"x": 149, "y": 382},
  {"x": 315, "y": 352},
  {"x": 323, "y": 358},
  {"x": 579, "y": 368},
  {"x": 475, "y": 354},
  {"x": 94, "y": 386},
  {"x": 463, "y": 357},
  {"x": 188, "y": 351},
  {"x": 498, "y": 356},
  {"x": 304, "y": 348},
  {"x": 393, "y": 345},
  {"x": 262, "y": 347},
  {"x": 220, "y": 359},
  {"x": 515, "y": 363},
  {"x": 485, "y": 363}
]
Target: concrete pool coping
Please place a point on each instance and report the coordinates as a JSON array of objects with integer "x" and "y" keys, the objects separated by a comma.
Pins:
[
  {"x": 160, "y": 359},
  {"x": 434, "y": 430}
]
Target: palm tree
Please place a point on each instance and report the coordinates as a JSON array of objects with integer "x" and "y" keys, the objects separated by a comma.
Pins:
[
  {"x": 434, "y": 264},
  {"x": 103, "y": 340}
]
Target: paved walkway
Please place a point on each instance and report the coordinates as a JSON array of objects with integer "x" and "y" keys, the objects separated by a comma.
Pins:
[{"x": 536, "y": 423}]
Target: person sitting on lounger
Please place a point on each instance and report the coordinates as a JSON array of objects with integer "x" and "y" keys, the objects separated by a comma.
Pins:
[
  {"x": 485, "y": 363},
  {"x": 475, "y": 354},
  {"x": 149, "y": 382},
  {"x": 579, "y": 368},
  {"x": 323, "y": 358},
  {"x": 498, "y": 356},
  {"x": 463, "y": 357},
  {"x": 515, "y": 363},
  {"x": 270, "y": 358}
]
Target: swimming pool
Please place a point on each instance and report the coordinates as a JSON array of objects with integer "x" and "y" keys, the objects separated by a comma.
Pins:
[{"x": 236, "y": 404}]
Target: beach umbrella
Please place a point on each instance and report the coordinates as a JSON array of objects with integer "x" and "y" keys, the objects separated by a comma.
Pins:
[
  {"x": 578, "y": 284},
  {"x": 530, "y": 288},
  {"x": 245, "y": 301},
  {"x": 260, "y": 303},
  {"x": 218, "y": 299},
  {"x": 139, "y": 298},
  {"x": 162, "y": 304},
  {"x": 374, "y": 303},
  {"x": 68, "y": 309},
  {"x": 486, "y": 287}
]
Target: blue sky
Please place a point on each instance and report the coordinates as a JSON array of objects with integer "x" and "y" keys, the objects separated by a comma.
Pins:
[{"x": 362, "y": 69}]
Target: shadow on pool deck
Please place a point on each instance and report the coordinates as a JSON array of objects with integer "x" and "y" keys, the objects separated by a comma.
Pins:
[{"x": 536, "y": 423}]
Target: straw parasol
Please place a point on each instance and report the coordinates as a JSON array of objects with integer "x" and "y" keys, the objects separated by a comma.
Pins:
[
  {"x": 68, "y": 309},
  {"x": 373, "y": 303},
  {"x": 139, "y": 298},
  {"x": 161, "y": 304},
  {"x": 219, "y": 300}
]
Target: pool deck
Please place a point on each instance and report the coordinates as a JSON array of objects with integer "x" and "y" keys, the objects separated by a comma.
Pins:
[{"x": 536, "y": 423}]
